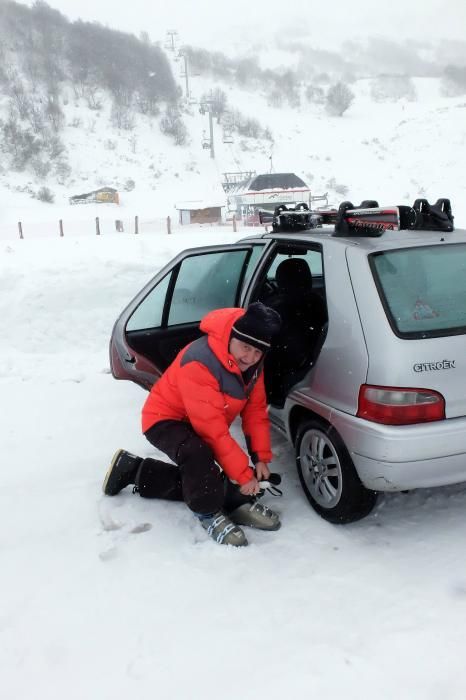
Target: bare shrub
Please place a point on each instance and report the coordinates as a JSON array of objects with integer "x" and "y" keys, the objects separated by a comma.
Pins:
[
  {"x": 35, "y": 117},
  {"x": 172, "y": 125},
  {"x": 18, "y": 143},
  {"x": 315, "y": 94},
  {"x": 17, "y": 93},
  {"x": 267, "y": 134},
  {"x": 40, "y": 168},
  {"x": 54, "y": 113},
  {"x": 454, "y": 81},
  {"x": 122, "y": 116},
  {"x": 62, "y": 171},
  {"x": 275, "y": 99},
  {"x": 53, "y": 145},
  {"x": 339, "y": 98},
  {"x": 92, "y": 95},
  {"x": 45, "y": 195},
  {"x": 246, "y": 126}
]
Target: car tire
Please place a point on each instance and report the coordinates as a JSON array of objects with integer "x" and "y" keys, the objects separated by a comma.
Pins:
[{"x": 328, "y": 476}]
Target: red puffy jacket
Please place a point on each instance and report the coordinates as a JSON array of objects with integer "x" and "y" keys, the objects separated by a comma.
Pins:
[{"x": 205, "y": 387}]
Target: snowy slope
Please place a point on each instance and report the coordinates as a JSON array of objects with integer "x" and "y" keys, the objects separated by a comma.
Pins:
[{"x": 390, "y": 151}]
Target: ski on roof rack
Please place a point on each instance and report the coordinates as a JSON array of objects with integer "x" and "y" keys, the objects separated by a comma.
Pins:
[
  {"x": 367, "y": 219},
  {"x": 371, "y": 220},
  {"x": 292, "y": 219}
]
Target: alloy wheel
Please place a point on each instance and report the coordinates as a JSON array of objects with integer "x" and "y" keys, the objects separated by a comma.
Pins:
[{"x": 321, "y": 468}]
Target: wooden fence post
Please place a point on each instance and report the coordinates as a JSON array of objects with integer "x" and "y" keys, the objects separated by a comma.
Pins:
[
  {"x": 119, "y": 225},
  {"x": 60, "y": 225},
  {"x": 136, "y": 224},
  {"x": 20, "y": 229},
  {"x": 97, "y": 226},
  {"x": 234, "y": 223},
  {"x": 169, "y": 225}
]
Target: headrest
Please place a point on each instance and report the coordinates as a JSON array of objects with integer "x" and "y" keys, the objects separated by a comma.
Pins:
[{"x": 294, "y": 276}]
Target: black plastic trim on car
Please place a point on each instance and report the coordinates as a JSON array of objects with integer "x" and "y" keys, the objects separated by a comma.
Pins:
[{"x": 169, "y": 295}]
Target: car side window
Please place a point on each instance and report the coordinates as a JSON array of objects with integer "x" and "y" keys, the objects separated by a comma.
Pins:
[
  {"x": 312, "y": 257},
  {"x": 149, "y": 313},
  {"x": 204, "y": 282}
]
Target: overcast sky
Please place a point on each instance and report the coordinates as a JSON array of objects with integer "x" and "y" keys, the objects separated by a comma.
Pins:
[{"x": 216, "y": 23}]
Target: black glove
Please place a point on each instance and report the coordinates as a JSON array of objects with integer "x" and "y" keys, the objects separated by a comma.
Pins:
[{"x": 271, "y": 484}]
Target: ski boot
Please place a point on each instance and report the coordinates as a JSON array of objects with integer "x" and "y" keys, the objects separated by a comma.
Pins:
[
  {"x": 221, "y": 529},
  {"x": 247, "y": 510},
  {"x": 255, "y": 514},
  {"x": 121, "y": 473}
]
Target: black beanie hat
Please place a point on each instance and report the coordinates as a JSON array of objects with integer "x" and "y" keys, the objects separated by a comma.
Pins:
[{"x": 257, "y": 327}]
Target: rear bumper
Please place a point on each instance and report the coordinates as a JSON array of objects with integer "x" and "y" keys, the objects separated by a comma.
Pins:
[
  {"x": 395, "y": 458},
  {"x": 401, "y": 476}
]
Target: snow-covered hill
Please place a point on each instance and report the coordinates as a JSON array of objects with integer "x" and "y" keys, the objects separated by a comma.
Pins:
[{"x": 389, "y": 151}]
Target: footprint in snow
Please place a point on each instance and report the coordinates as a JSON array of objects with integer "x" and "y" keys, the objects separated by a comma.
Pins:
[
  {"x": 143, "y": 527},
  {"x": 108, "y": 554}
]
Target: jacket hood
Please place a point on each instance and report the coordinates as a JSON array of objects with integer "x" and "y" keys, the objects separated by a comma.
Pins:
[{"x": 218, "y": 324}]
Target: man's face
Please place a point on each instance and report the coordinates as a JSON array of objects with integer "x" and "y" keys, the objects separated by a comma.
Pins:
[{"x": 244, "y": 354}]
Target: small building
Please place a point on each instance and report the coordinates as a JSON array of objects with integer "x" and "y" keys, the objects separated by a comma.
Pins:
[
  {"x": 199, "y": 211},
  {"x": 263, "y": 193},
  {"x": 103, "y": 194}
]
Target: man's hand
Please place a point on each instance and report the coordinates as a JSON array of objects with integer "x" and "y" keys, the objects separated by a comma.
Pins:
[
  {"x": 250, "y": 488},
  {"x": 262, "y": 471}
]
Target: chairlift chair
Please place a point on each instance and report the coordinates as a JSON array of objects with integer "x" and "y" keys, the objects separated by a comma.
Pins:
[{"x": 227, "y": 135}]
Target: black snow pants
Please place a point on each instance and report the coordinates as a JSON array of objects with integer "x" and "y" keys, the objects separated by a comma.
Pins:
[{"x": 195, "y": 478}]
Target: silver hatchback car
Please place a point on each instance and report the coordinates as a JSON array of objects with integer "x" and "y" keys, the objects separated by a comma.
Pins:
[{"x": 368, "y": 376}]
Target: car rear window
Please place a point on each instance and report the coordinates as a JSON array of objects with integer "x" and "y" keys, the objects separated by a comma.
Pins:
[{"x": 423, "y": 289}]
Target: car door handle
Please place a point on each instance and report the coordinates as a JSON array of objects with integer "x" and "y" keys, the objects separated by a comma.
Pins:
[{"x": 130, "y": 359}]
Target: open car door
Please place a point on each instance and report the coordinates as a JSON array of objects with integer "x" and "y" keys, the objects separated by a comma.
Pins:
[{"x": 165, "y": 315}]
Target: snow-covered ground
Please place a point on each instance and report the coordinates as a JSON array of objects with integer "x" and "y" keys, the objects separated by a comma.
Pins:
[{"x": 115, "y": 598}]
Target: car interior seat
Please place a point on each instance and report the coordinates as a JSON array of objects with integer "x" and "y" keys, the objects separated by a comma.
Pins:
[
  {"x": 295, "y": 292},
  {"x": 304, "y": 315}
]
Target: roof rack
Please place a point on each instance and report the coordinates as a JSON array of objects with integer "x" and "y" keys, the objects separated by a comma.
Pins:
[
  {"x": 367, "y": 219},
  {"x": 291, "y": 219}
]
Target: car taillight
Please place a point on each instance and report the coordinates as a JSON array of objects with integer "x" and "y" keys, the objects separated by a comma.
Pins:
[{"x": 399, "y": 406}]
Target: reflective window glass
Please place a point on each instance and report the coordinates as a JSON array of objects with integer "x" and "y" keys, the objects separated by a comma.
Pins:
[
  {"x": 150, "y": 310},
  {"x": 206, "y": 282},
  {"x": 424, "y": 289}
]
